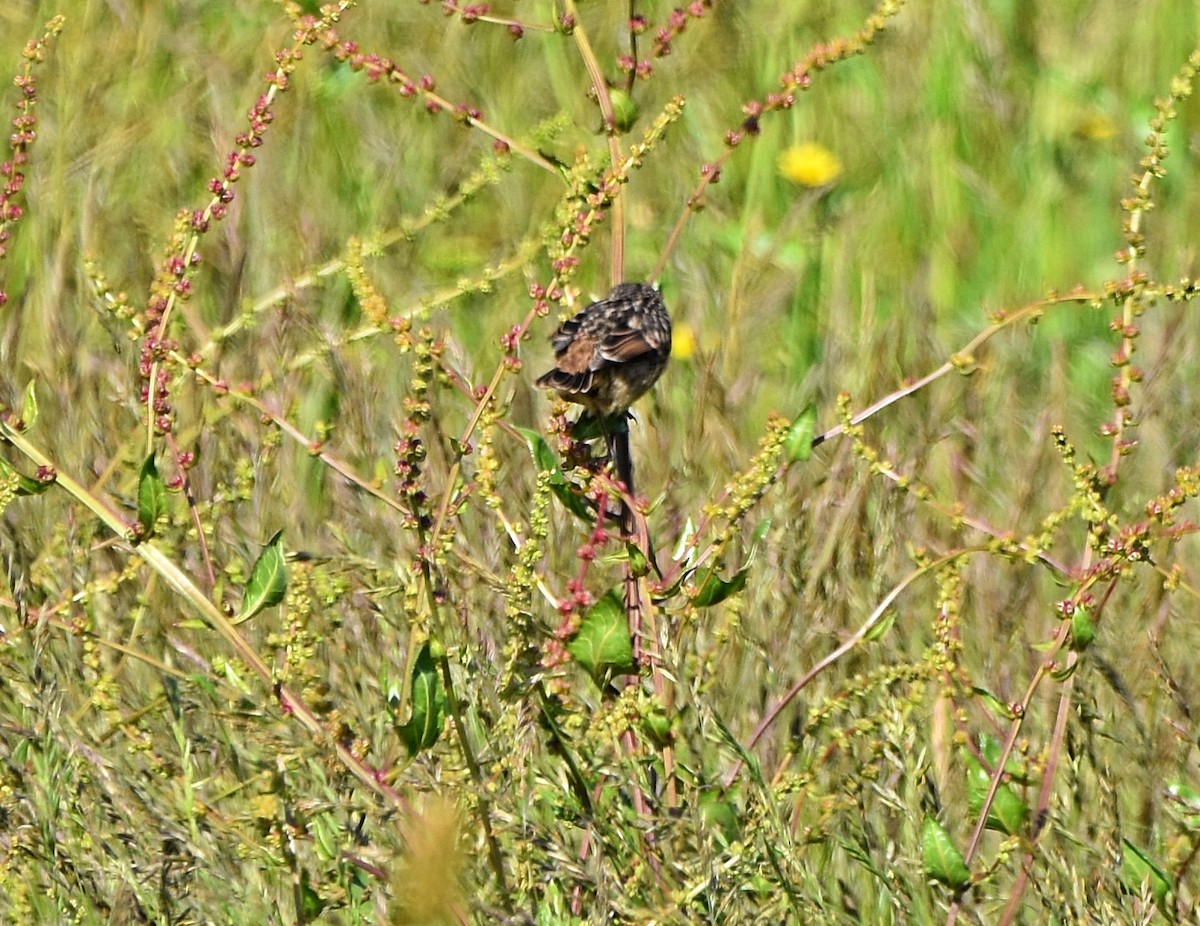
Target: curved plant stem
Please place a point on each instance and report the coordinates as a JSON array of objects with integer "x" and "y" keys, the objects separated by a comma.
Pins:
[
  {"x": 289, "y": 702},
  {"x": 857, "y": 637}
]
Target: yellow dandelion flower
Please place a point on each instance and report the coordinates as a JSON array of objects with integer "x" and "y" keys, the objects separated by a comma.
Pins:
[
  {"x": 683, "y": 342},
  {"x": 809, "y": 164}
]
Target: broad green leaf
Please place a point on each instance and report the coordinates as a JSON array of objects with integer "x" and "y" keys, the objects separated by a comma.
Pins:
[
  {"x": 625, "y": 109},
  {"x": 1137, "y": 868},
  {"x": 1083, "y": 630},
  {"x": 268, "y": 579},
  {"x": 797, "y": 446},
  {"x": 602, "y": 644},
  {"x": 428, "y": 703},
  {"x": 990, "y": 748},
  {"x": 29, "y": 407},
  {"x": 546, "y": 461},
  {"x": 943, "y": 861},
  {"x": 152, "y": 496},
  {"x": 1008, "y": 812}
]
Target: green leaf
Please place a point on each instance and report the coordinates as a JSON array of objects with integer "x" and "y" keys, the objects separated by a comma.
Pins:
[
  {"x": 656, "y": 725},
  {"x": 1185, "y": 802},
  {"x": 204, "y": 683},
  {"x": 639, "y": 565},
  {"x": 1008, "y": 812},
  {"x": 1083, "y": 629},
  {"x": 625, "y": 109},
  {"x": 29, "y": 407},
  {"x": 546, "y": 461},
  {"x": 715, "y": 589},
  {"x": 428, "y": 703},
  {"x": 268, "y": 579},
  {"x": 1137, "y": 868},
  {"x": 990, "y": 748},
  {"x": 152, "y": 496},
  {"x": 542, "y": 455},
  {"x": 311, "y": 902},
  {"x": 798, "y": 444},
  {"x": 943, "y": 861},
  {"x": 880, "y": 628},
  {"x": 588, "y": 427},
  {"x": 684, "y": 545},
  {"x": 718, "y": 814},
  {"x": 997, "y": 706},
  {"x": 22, "y": 485},
  {"x": 602, "y": 644}
]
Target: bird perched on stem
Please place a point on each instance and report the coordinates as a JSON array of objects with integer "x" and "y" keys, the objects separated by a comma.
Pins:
[{"x": 609, "y": 354}]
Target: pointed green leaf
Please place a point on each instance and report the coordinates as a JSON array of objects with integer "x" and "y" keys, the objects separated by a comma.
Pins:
[
  {"x": 715, "y": 589},
  {"x": 268, "y": 579},
  {"x": 996, "y": 705},
  {"x": 1137, "y": 867},
  {"x": 943, "y": 861},
  {"x": 21, "y": 485},
  {"x": 29, "y": 407},
  {"x": 152, "y": 496},
  {"x": 602, "y": 644},
  {"x": 639, "y": 564},
  {"x": 542, "y": 455},
  {"x": 428, "y": 703},
  {"x": 1009, "y": 811},
  {"x": 683, "y": 546},
  {"x": 798, "y": 444},
  {"x": 880, "y": 628},
  {"x": 547, "y": 462}
]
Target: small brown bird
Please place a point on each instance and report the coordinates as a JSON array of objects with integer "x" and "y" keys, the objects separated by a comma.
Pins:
[{"x": 609, "y": 354}]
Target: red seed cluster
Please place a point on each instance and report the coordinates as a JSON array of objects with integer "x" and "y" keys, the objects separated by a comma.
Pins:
[
  {"x": 660, "y": 47},
  {"x": 24, "y": 134}
]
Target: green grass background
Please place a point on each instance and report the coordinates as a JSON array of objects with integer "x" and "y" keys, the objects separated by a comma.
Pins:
[{"x": 986, "y": 148}]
